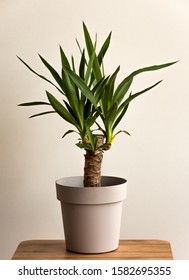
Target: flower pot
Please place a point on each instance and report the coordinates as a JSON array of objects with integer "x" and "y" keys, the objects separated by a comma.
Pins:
[{"x": 91, "y": 216}]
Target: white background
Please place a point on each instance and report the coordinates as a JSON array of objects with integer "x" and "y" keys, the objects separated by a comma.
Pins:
[{"x": 154, "y": 159}]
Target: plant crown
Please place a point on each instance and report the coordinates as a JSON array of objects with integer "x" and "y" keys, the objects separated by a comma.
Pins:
[{"x": 89, "y": 96}]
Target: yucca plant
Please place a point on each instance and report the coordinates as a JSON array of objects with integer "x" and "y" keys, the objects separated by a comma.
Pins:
[{"x": 91, "y": 101}]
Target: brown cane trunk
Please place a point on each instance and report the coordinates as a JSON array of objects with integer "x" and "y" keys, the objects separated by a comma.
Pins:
[{"x": 92, "y": 168}]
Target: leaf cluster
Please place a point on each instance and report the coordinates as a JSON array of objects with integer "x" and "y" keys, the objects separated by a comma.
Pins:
[{"x": 88, "y": 95}]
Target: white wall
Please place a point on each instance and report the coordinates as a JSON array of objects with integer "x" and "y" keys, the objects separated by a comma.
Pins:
[{"x": 154, "y": 159}]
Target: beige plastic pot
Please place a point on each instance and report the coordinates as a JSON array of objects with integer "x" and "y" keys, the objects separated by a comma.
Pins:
[{"x": 91, "y": 216}]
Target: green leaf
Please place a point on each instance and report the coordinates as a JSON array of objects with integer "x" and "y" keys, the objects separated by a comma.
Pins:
[
  {"x": 99, "y": 88},
  {"x": 121, "y": 90},
  {"x": 71, "y": 92},
  {"x": 40, "y": 76},
  {"x": 41, "y": 114},
  {"x": 90, "y": 121},
  {"x": 53, "y": 73},
  {"x": 81, "y": 85},
  {"x": 151, "y": 68},
  {"x": 111, "y": 115},
  {"x": 34, "y": 103},
  {"x": 91, "y": 50},
  {"x": 82, "y": 66},
  {"x": 106, "y": 100},
  {"x": 124, "y": 131},
  {"x": 120, "y": 116},
  {"x": 87, "y": 108},
  {"x": 89, "y": 68},
  {"x": 124, "y": 106},
  {"x": 104, "y": 49},
  {"x": 101, "y": 56},
  {"x": 110, "y": 85},
  {"x": 68, "y": 132},
  {"x": 79, "y": 46},
  {"x": 60, "y": 109},
  {"x": 101, "y": 129},
  {"x": 73, "y": 63},
  {"x": 125, "y": 84},
  {"x": 133, "y": 96},
  {"x": 88, "y": 40},
  {"x": 84, "y": 146},
  {"x": 69, "y": 109},
  {"x": 91, "y": 138},
  {"x": 64, "y": 59}
]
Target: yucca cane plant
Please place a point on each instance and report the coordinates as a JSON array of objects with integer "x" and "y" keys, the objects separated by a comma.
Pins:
[{"x": 91, "y": 101}]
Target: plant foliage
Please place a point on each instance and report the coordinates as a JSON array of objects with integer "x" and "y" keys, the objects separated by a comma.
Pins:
[{"x": 88, "y": 96}]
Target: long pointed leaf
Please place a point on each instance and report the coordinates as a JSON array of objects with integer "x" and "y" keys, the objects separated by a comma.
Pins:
[
  {"x": 60, "y": 109},
  {"x": 124, "y": 131},
  {"x": 91, "y": 138},
  {"x": 99, "y": 89},
  {"x": 98, "y": 85},
  {"x": 72, "y": 95},
  {"x": 68, "y": 132},
  {"x": 111, "y": 116},
  {"x": 91, "y": 50},
  {"x": 65, "y": 63},
  {"x": 84, "y": 146},
  {"x": 81, "y": 85},
  {"x": 88, "y": 40},
  {"x": 90, "y": 121},
  {"x": 111, "y": 82},
  {"x": 41, "y": 114},
  {"x": 133, "y": 96},
  {"x": 82, "y": 66},
  {"x": 101, "y": 129},
  {"x": 104, "y": 48},
  {"x": 106, "y": 100},
  {"x": 87, "y": 109},
  {"x": 40, "y": 76},
  {"x": 120, "y": 116},
  {"x": 53, "y": 72},
  {"x": 152, "y": 68},
  {"x": 124, "y": 106},
  {"x": 89, "y": 68},
  {"x": 69, "y": 109},
  {"x": 79, "y": 46},
  {"x": 75, "y": 87},
  {"x": 34, "y": 103},
  {"x": 101, "y": 55},
  {"x": 64, "y": 59},
  {"x": 73, "y": 63},
  {"x": 121, "y": 90}
]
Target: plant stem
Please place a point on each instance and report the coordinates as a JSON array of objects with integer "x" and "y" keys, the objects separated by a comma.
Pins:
[{"x": 92, "y": 168}]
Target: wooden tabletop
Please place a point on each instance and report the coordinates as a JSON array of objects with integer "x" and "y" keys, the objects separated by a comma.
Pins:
[{"x": 128, "y": 250}]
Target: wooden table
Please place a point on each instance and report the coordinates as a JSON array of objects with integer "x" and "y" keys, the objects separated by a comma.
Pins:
[{"x": 128, "y": 250}]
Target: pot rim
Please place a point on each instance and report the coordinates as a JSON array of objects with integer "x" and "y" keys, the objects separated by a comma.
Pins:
[
  {"x": 71, "y": 190},
  {"x": 77, "y": 181}
]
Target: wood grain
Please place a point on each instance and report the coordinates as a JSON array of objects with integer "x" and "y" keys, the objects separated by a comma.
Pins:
[{"x": 128, "y": 250}]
